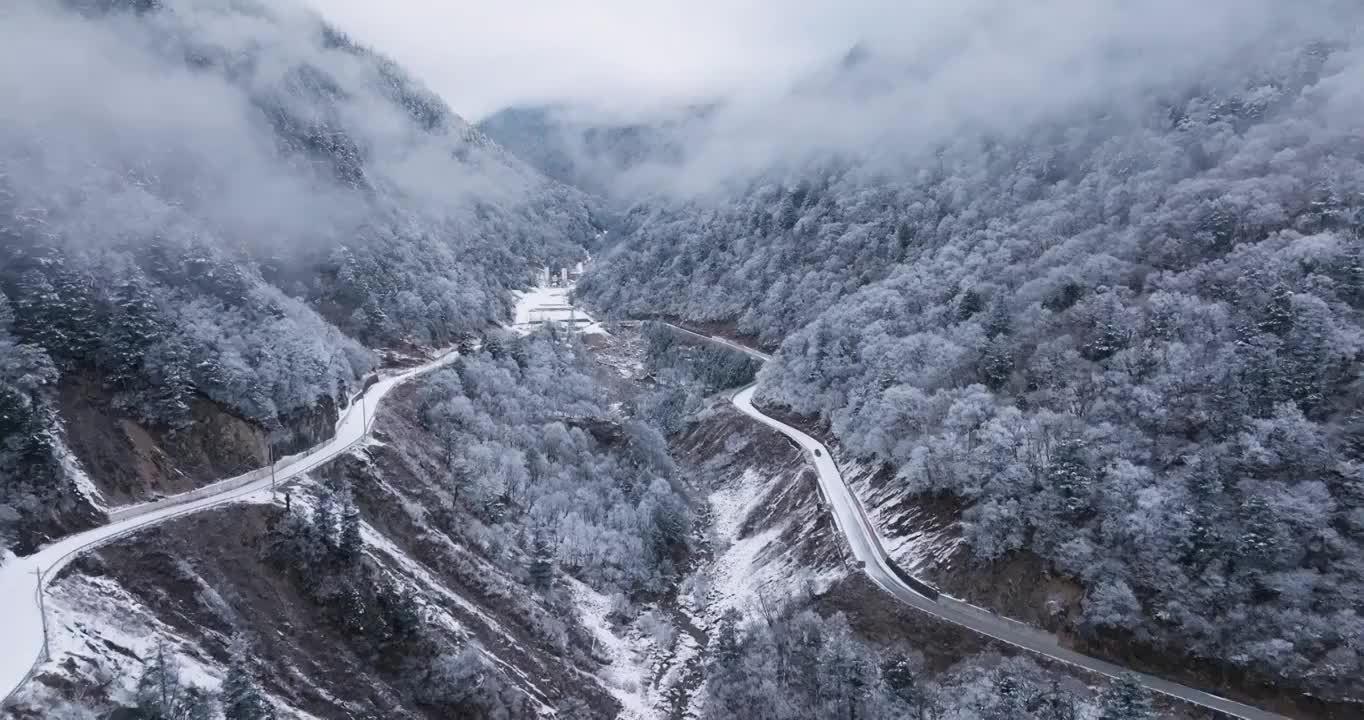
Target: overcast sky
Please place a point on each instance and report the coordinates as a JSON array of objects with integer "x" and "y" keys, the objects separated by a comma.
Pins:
[{"x": 482, "y": 55}]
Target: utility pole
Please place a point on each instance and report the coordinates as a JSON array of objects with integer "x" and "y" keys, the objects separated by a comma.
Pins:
[
  {"x": 272, "y": 469},
  {"x": 364, "y": 416},
  {"x": 42, "y": 610}
]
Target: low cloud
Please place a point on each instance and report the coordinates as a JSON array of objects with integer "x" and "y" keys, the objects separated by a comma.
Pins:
[
  {"x": 937, "y": 70},
  {"x": 614, "y": 55},
  {"x": 117, "y": 126}
]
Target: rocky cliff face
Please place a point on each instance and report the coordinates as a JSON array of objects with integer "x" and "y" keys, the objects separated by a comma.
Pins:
[{"x": 128, "y": 462}]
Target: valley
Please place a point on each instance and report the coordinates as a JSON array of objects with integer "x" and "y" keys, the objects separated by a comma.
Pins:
[
  {"x": 968, "y": 361},
  {"x": 753, "y": 557}
]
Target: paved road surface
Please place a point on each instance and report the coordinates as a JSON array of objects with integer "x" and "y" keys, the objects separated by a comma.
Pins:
[
  {"x": 852, "y": 521},
  {"x": 20, "y": 653},
  {"x": 23, "y": 621}
]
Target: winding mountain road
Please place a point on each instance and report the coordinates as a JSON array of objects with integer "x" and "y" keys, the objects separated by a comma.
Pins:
[
  {"x": 851, "y": 519},
  {"x": 21, "y": 578}
]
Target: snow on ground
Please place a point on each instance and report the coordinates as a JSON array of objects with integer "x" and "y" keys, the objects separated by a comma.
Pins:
[
  {"x": 674, "y": 668},
  {"x": 922, "y": 550},
  {"x": 731, "y": 505},
  {"x": 18, "y": 601},
  {"x": 623, "y": 352},
  {"x": 748, "y": 572},
  {"x": 541, "y": 305},
  {"x": 376, "y": 542},
  {"x": 530, "y": 304},
  {"x": 917, "y": 551},
  {"x": 98, "y": 628},
  {"x": 410, "y": 571},
  {"x": 632, "y": 656},
  {"x": 425, "y": 584},
  {"x": 73, "y": 471},
  {"x": 102, "y": 634}
]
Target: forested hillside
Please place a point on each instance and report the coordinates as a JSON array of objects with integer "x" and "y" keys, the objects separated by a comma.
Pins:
[
  {"x": 1127, "y": 337},
  {"x": 589, "y": 154},
  {"x": 534, "y": 451},
  {"x": 829, "y": 672},
  {"x": 231, "y": 201},
  {"x": 457, "y": 565}
]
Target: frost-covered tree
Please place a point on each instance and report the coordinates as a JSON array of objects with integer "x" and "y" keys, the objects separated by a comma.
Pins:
[
  {"x": 548, "y": 467},
  {"x": 31, "y": 479},
  {"x": 899, "y": 678},
  {"x": 724, "y": 641},
  {"x": 541, "y": 559},
  {"x": 240, "y": 697},
  {"x": 1127, "y": 339},
  {"x": 349, "y": 544},
  {"x": 1056, "y": 704},
  {"x": 248, "y": 262},
  {"x": 797, "y": 665},
  {"x": 464, "y": 682},
  {"x": 1125, "y": 699},
  {"x": 162, "y": 694}
]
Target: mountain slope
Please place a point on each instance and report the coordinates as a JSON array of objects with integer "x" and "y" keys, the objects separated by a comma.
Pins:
[
  {"x": 208, "y": 210},
  {"x": 1126, "y": 338},
  {"x": 591, "y": 154}
]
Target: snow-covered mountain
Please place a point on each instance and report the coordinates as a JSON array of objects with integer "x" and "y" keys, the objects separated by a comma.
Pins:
[
  {"x": 218, "y": 221},
  {"x": 221, "y": 204},
  {"x": 1118, "y": 328},
  {"x": 592, "y": 153},
  {"x": 1077, "y": 317}
]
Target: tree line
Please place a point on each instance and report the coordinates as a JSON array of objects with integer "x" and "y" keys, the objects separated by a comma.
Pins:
[
  {"x": 799, "y": 664},
  {"x": 317, "y": 202},
  {"x": 1128, "y": 340}
]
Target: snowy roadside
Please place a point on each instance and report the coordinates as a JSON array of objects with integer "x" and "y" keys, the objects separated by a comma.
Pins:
[
  {"x": 920, "y": 549},
  {"x": 21, "y": 578}
]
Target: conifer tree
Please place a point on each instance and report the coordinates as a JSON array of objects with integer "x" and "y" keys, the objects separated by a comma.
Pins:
[
  {"x": 572, "y": 708},
  {"x": 1010, "y": 699},
  {"x": 898, "y": 677},
  {"x": 1277, "y": 318},
  {"x": 241, "y": 697},
  {"x": 161, "y": 693},
  {"x": 324, "y": 519},
  {"x": 1125, "y": 699},
  {"x": 170, "y": 387},
  {"x": 1070, "y": 476},
  {"x": 1056, "y": 704},
  {"x": 6, "y": 314},
  {"x": 349, "y": 546},
  {"x": 725, "y": 641},
  {"x": 132, "y": 329},
  {"x": 542, "y": 562}
]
